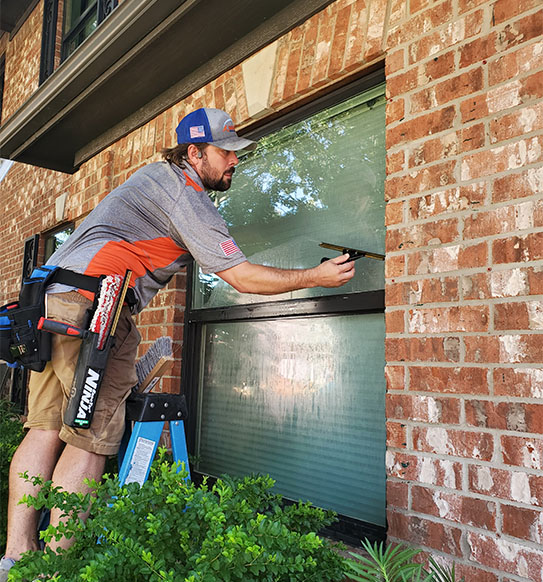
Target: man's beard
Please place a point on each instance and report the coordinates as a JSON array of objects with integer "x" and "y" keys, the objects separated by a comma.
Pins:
[{"x": 212, "y": 180}]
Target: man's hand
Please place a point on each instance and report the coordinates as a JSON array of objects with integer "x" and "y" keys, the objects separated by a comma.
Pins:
[
  {"x": 334, "y": 272},
  {"x": 250, "y": 278}
]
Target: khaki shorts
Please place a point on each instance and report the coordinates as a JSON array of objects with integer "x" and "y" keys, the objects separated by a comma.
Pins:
[{"x": 49, "y": 390}]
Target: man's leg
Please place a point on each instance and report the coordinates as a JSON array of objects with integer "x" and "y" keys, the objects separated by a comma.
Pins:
[
  {"x": 37, "y": 454},
  {"x": 73, "y": 467}
]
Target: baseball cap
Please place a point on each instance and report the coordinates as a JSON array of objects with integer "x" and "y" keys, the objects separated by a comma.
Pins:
[{"x": 214, "y": 126}]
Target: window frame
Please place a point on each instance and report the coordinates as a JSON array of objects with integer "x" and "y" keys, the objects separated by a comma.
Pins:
[{"x": 347, "y": 528}]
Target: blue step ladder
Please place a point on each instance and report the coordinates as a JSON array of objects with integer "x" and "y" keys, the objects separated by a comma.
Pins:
[{"x": 149, "y": 412}]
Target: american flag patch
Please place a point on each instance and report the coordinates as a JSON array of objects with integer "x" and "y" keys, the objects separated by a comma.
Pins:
[
  {"x": 197, "y": 131},
  {"x": 229, "y": 247}
]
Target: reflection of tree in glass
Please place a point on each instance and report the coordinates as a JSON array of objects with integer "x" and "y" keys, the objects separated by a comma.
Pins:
[
  {"x": 295, "y": 169},
  {"x": 321, "y": 179}
]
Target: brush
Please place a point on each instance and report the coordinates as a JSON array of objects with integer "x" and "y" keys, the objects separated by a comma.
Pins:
[{"x": 153, "y": 364}]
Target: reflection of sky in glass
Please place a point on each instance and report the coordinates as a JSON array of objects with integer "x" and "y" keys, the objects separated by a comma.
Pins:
[{"x": 319, "y": 180}]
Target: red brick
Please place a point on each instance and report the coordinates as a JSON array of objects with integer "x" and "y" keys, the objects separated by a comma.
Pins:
[
  {"x": 395, "y": 321},
  {"x": 503, "y": 158},
  {"x": 416, "y": 27},
  {"x": 417, "y": 408},
  {"x": 402, "y": 83},
  {"x": 432, "y": 290},
  {"x": 451, "y": 200},
  {"x": 394, "y": 62},
  {"x": 523, "y": 451},
  {"x": 449, "y": 319},
  {"x": 396, "y": 435},
  {"x": 473, "y": 137},
  {"x": 395, "y": 110},
  {"x": 420, "y": 235},
  {"x": 478, "y": 50},
  {"x": 504, "y": 10},
  {"x": 424, "y": 532},
  {"x": 356, "y": 35},
  {"x": 423, "y": 349},
  {"x": 506, "y": 556},
  {"x": 502, "y": 220},
  {"x": 455, "y": 443},
  {"x": 443, "y": 259},
  {"x": 439, "y": 66},
  {"x": 324, "y": 44},
  {"x": 395, "y": 377},
  {"x": 397, "y": 494},
  {"x": 394, "y": 213},
  {"x": 520, "y": 383},
  {"x": 459, "y": 86},
  {"x": 454, "y": 507},
  {"x": 475, "y": 286},
  {"x": 520, "y": 31},
  {"x": 419, "y": 180},
  {"x": 510, "y": 65},
  {"x": 433, "y": 150},
  {"x": 335, "y": 67},
  {"x": 525, "y": 315},
  {"x": 422, "y": 126},
  {"x": 515, "y": 249},
  {"x": 445, "y": 380},
  {"x": 374, "y": 35},
  {"x": 526, "y": 183},
  {"x": 523, "y": 523},
  {"x": 395, "y": 162},
  {"x": 512, "y": 416},
  {"x": 395, "y": 266},
  {"x": 310, "y": 31},
  {"x": 516, "y": 124}
]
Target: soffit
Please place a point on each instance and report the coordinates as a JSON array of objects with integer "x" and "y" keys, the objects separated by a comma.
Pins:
[{"x": 146, "y": 56}]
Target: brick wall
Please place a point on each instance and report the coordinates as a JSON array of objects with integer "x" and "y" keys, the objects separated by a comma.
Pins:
[
  {"x": 464, "y": 268},
  {"x": 464, "y": 281}
]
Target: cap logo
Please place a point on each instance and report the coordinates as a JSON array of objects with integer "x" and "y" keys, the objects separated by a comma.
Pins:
[
  {"x": 197, "y": 131},
  {"x": 229, "y": 126}
]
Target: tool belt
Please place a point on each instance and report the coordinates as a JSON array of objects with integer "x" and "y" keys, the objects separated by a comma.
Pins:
[{"x": 21, "y": 342}]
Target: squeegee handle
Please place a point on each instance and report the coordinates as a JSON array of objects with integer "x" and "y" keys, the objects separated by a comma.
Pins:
[{"x": 61, "y": 328}]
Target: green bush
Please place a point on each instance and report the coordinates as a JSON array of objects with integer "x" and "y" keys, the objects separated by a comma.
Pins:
[
  {"x": 11, "y": 434},
  {"x": 169, "y": 529}
]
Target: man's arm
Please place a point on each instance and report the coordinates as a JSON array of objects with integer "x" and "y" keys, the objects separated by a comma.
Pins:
[{"x": 250, "y": 278}]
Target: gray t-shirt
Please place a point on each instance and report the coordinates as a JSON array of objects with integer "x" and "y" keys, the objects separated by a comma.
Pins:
[{"x": 152, "y": 224}]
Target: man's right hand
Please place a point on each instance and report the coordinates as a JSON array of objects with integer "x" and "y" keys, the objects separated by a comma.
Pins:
[{"x": 334, "y": 272}]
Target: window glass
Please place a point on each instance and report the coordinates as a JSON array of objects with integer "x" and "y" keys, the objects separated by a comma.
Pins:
[
  {"x": 299, "y": 397},
  {"x": 302, "y": 400},
  {"x": 55, "y": 239},
  {"x": 320, "y": 180}
]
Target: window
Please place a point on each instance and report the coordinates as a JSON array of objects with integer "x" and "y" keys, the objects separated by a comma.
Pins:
[
  {"x": 55, "y": 238},
  {"x": 294, "y": 386},
  {"x": 81, "y": 17}
]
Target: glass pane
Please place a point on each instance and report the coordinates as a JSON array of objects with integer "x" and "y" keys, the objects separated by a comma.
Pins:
[
  {"x": 320, "y": 180},
  {"x": 302, "y": 400}
]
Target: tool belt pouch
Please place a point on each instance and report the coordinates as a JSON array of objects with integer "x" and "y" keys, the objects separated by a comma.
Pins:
[{"x": 21, "y": 342}]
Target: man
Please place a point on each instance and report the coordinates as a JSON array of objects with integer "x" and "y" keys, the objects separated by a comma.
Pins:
[{"x": 154, "y": 224}]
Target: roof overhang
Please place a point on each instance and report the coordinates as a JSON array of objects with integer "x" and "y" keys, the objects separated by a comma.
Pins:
[
  {"x": 12, "y": 11},
  {"x": 145, "y": 57}
]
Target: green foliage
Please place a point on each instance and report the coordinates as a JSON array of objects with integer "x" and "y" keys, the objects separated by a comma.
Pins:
[
  {"x": 11, "y": 434},
  {"x": 395, "y": 564},
  {"x": 169, "y": 529}
]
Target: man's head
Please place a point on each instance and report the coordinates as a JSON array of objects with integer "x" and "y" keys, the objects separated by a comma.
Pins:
[{"x": 208, "y": 141}]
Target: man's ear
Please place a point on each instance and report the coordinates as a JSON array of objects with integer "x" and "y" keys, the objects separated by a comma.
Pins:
[{"x": 193, "y": 154}]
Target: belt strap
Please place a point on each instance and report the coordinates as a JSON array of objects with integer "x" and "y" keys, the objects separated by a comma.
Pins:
[{"x": 86, "y": 282}]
